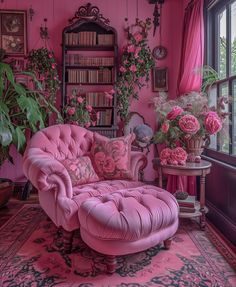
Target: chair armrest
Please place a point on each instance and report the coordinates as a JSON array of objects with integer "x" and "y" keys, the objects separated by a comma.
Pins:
[
  {"x": 138, "y": 163},
  {"x": 46, "y": 173}
]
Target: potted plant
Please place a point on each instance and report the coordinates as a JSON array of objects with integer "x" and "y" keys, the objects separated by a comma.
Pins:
[{"x": 22, "y": 109}]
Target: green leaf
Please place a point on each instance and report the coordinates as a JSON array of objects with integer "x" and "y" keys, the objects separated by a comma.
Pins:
[
  {"x": 33, "y": 113},
  {"x": 19, "y": 138},
  {"x": 5, "y": 135}
]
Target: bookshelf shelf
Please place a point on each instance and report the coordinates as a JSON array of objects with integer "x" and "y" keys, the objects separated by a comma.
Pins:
[{"x": 89, "y": 32}]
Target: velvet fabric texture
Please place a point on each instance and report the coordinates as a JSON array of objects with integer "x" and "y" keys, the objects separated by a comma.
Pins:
[
  {"x": 111, "y": 157},
  {"x": 80, "y": 170}
]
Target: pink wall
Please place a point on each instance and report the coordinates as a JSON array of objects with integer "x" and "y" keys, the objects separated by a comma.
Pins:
[{"x": 58, "y": 12}]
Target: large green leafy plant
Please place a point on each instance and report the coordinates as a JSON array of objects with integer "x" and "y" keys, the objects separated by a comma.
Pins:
[
  {"x": 21, "y": 109},
  {"x": 135, "y": 66}
]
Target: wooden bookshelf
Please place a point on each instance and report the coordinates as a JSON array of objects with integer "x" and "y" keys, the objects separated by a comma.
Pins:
[{"x": 94, "y": 73}]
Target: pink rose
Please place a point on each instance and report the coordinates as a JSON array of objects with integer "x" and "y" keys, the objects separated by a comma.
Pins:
[
  {"x": 71, "y": 111},
  {"x": 50, "y": 55},
  {"x": 189, "y": 124},
  {"x": 131, "y": 49},
  {"x": 179, "y": 155},
  {"x": 138, "y": 37},
  {"x": 53, "y": 66},
  {"x": 89, "y": 108},
  {"x": 212, "y": 123},
  {"x": 80, "y": 100},
  {"x": 133, "y": 68},
  {"x": 165, "y": 155},
  {"x": 122, "y": 69},
  {"x": 109, "y": 165},
  {"x": 174, "y": 113},
  {"x": 165, "y": 127}
]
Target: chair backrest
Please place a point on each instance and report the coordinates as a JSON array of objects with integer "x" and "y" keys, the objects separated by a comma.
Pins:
[{"x": 62, "y": 141}]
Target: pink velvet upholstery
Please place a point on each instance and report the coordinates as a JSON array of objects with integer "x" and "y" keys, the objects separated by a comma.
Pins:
[
  {"x": 42, "y": 166},
  {"x": 129, "y": 220}
]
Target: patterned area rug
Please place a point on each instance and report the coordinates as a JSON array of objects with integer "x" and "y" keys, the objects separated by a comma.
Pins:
[{"x": 29, "y": 258}]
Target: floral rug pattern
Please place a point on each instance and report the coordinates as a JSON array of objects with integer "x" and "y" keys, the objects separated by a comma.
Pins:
[{"x": 29, "y": 257}]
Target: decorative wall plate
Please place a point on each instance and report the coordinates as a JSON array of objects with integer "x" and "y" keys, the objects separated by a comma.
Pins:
[{"x": 159, "y": 52}]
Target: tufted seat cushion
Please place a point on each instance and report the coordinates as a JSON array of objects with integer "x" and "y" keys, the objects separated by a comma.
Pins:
[{"x": 128, "y": 220}]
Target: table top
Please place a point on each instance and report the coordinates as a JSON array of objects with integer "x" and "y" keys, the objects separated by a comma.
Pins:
[{"x": 203, "y": 164}]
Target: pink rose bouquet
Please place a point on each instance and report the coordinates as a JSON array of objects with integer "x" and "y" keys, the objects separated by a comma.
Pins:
[{"x": 186, "y": 119}]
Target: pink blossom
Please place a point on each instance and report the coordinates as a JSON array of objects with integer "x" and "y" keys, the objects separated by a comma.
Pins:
[
  {"x": 165, "y": 155},
  {"x": 165, "y": 127},
  {"x": 112, "y": 91},
  {"x": 108, "y": 95},
  {"x": 42, "y": 78},
  {"x": 179, "y": 155},
  {"x": 133, "y": 68},
  {"x": 140, "y": 61},
  {"x": 71, "y": 111},
  {"x": 50, "y": 55},
  {"x": 138, "y": 37},
  {"x": 53, "y": 65},
  {"x": 189, "y": 124},
  {"x": 125, "y": 62},
  {"x": 80, "y": 100},
  {"x": 174, "y": 113},
  {"x": 89, "y": 108},
  {"x": 212, "y": 123},
  {"x": 131, "y": 49},
  {"x": 137, "y": 50},
  {"x": 87, "y": 125},
  {"x": 55, "y": 78},
  {"x": 122, "y": 69}
]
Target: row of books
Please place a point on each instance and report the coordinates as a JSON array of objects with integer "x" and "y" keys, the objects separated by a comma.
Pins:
[
  {"x": 89, "y": 76},
  {"x": 88, "y": 38},
  {"x": 105, "y": 117},
  {"x": 76, "y": 59},
  {"x": 187, "y": 205},
  {"x": 98, "y": 99}
]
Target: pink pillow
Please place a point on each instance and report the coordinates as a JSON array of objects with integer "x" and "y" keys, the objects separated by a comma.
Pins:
[
  {"x": 80, "y": 170},
  {"x": 111, "y": 157}
]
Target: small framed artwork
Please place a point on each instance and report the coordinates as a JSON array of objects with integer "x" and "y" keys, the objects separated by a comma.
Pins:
[
  {"x": 160, "y": 79},
  {"x": 13, "y": 33}
]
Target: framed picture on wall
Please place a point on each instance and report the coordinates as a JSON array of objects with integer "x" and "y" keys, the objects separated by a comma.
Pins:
[
  {"x": 160, "y": 79},
  {"x": 13, "y": 33}
]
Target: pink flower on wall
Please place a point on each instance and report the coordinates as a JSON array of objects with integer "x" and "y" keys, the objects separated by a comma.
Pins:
[
  {"x": 80, "y": 100},
  {"x": 174, "y": 113},
  {"x": 122, "y": 69},
  {"x": 189, "y": 124},
  {"x": 165, "y": 127},
  {"x": 131, "y": 49},
  {"x": 213, "y": 123},
  {"x": 133, "y": 68},
  {"x": 89, "y": 108},
  {"x": 71, "y": 111},
  {"x": 138, "y": 37}
]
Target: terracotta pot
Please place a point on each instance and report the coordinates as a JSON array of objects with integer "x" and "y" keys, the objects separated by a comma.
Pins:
[{"x": 6, "y": 189}]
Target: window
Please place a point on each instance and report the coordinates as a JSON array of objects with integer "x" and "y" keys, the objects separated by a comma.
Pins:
[{"x": 221, "y": 55}]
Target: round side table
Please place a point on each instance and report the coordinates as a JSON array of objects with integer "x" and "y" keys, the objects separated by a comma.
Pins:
[{"x": 190, "y": 169}]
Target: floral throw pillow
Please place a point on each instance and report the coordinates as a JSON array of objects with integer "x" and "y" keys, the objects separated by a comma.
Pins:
[
  {"x": 111, "y": 157},
  {"x": 80, "y": 170}
]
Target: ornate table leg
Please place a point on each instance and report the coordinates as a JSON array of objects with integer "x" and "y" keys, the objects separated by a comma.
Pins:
[{"x": 202, "y": 202}]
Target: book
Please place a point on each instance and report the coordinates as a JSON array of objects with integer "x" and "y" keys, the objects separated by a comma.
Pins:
[
  {"x": 187, "y": 209},
  {"x": 188, "y": 202}
]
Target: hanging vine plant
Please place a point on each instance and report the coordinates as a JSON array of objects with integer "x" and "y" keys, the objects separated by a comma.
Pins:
[
  {"x": 135, "y": 66},
  {"x": 42, "y": 62}
]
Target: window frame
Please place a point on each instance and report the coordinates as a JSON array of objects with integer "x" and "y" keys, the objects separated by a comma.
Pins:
[{"x": 212, "y": 10}]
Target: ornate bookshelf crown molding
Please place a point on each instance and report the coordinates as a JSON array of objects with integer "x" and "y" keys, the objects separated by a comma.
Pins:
[{"x": 89, "y": 12}]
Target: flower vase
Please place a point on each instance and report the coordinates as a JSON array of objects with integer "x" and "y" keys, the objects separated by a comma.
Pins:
[{"x": 194, "y": 148}]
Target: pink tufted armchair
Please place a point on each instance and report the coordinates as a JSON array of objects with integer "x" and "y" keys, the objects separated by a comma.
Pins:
[{"x": 42, "y": 166}]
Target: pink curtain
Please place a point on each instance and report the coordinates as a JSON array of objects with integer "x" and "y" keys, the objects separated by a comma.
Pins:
[{"x": 189, "y": 80}]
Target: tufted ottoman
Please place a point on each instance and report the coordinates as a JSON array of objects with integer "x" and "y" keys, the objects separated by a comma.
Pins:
[{"x": 128, "y": 221}]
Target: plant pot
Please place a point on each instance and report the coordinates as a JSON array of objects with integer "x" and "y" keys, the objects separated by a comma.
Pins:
[
  {"x": 6, "y": 190},
  {"x": 194, "y": 148}
]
